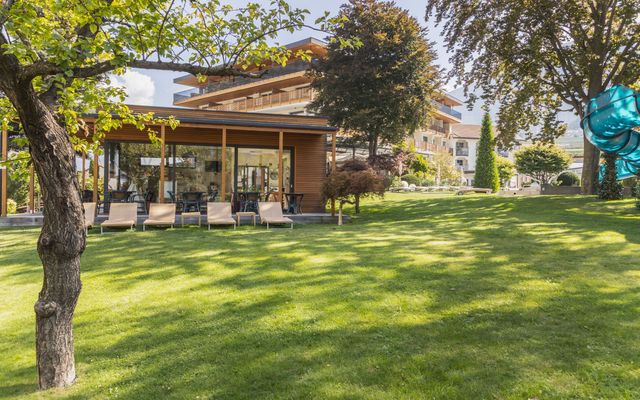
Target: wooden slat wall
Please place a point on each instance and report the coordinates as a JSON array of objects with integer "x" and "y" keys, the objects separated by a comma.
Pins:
[{"x": 309, "y": 153}]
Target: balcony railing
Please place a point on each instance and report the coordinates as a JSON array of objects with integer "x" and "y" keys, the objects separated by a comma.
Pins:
[
  {"x": 462, "y": 152},
  {"x": 238, "y": 81},
  {"x": 273, "y": 100},
  {"x": 433, "y": 148},
  {"x": 448, "y": 110}
]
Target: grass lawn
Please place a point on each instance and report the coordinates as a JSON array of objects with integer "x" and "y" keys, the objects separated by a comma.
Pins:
[{"x": 424, "y": 296}]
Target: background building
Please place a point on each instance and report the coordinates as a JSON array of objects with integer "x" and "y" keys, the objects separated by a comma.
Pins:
[{"x": 287, "y": 90}]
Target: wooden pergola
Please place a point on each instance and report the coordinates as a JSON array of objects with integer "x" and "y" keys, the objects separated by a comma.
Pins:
[{"x": 224, "y": 123}]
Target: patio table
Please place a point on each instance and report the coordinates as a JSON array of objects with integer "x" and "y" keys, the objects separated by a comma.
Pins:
[
  {"x": 251, "y": 214},
  {"x": 194, "y": 214}
]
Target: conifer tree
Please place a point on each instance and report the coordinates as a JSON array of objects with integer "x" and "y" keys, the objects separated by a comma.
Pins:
[{"x": 486, "y": 166}]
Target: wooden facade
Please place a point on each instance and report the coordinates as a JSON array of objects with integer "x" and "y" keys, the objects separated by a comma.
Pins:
[{"x": 304, "y": 136}]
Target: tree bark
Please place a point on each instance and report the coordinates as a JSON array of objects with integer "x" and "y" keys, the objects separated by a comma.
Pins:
[
  {"x": 357, "y": 204},
  {"x": 591, "y": 162},
  {"x": 61, "y": 241},
  {"x": 590, "y": 168},
  {"x": 373, "y": 145}
]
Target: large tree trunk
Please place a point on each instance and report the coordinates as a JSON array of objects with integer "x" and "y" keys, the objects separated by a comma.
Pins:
[
  {"x": 373, "y": 146},
  {"x": 61, "y": 242},
  {"x": 591, "y": 161},
  {"x": 590, "y": 168}
]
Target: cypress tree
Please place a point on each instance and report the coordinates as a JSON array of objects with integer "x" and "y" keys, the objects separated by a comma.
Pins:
[
  {"x": 610, "y": 188},
  {"x": 486, "y": 175}
]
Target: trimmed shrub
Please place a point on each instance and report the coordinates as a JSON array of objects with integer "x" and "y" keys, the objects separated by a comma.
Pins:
[
  {"x": 568, "y": 178},
  {"x": 428, "y": 182},
  {"x": 411, "y": 179}
]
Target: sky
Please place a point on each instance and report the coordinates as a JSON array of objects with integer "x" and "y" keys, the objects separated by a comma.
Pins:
[{"x": 157, "y": 87}]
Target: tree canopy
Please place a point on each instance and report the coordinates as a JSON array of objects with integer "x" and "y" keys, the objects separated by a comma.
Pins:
[
  {"x": 381, "y": 90},
  {"x": 542, "y": 161},
  {"x": 536, "y": 57},
  {"x": 506, "y": 170}
]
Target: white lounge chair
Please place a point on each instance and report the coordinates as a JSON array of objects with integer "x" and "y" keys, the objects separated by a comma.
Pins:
[
  {"x": 161, "y": 214},
  {"x": 220, "y": 214},
  {"x": 89, "y": 216},
  {"x": 121, "y": 215},
  {"x": 271, "y": 213}
]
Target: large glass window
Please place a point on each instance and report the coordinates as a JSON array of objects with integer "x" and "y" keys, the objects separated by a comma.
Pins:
[
  {"x": 134, "y": 167},
  {"x": 258, "y": 170},
  {"x": 199, "y": 169}
]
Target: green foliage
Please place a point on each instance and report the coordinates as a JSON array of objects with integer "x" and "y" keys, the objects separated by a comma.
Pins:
[
  {"x": 69, "y": 50},
  {"x": 410, "y": 179},
  {"x": 506, "y": 169},
  {"x": 486, "y": 175},
  {"x": 541, "y": 161},
  {"x": 380, "y": 91},
  {"x": 420, "y": 164},
  {"x": 12, "y": 206},
  {"x": 610, "y": 188},
  {"x": 534, "y": 57},
  {"x": 568, "y": 178}
]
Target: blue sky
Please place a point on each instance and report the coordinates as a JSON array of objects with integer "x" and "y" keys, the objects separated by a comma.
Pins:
[{"x": 157, "y": 87}]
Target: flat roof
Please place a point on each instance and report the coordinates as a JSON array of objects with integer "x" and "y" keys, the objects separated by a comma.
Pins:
[
  {"x": 238, "y": 118},
  {"x": 310, "y": 42}
]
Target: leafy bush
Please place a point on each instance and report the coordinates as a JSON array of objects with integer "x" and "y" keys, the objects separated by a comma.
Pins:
[
  {"x": 428, "y": 182},
  {"x": 420, "y": 164},
  {"x": 542, "y": 161},
  {"x": 351, "y": 182},
  {"x": 506, "y": 170},
  {"x": 12, "y": 206},
  {"x": 411, "y": 179},
  {"x": 568, "y": 178}
]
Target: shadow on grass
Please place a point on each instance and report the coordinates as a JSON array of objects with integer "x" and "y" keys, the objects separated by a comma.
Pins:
[{"x": 436, "y": 297}]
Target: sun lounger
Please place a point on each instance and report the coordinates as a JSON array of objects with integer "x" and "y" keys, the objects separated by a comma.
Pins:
[
  {"x": 161, "y": 214},
  {"x": 271, "y": 213},
  {"x": 121, "y": 215},
  {"x": 220, "y": 214},
  {"x": 89, "y": 215}
]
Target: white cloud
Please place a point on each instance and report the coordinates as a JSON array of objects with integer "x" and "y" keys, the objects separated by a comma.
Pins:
[{"x": 140, "y": 88}]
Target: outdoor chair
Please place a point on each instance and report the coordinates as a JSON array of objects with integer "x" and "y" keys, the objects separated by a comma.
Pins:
[
  {"x": 89, "y": 216},
  {"x": 161, "y": 214},
  {"x": 271, "y": 213},
  {"x": 121, "y": 215},
  {"x": 220, "y": 214}
]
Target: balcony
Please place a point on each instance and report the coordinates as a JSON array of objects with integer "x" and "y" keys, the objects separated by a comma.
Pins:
[
  {"x": 448, "y": 110},
  {"x": 273, "y": 100},
  {"x": 239, "y": 81},
  {"x": 464, "y": 152},
  {"x": 432, "y": 148}
]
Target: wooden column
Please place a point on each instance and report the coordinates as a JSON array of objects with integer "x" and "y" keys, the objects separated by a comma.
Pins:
[
  {"x": 223, "y": 184},
  {"x": 96, "y": 169},
  {"x": 32, "y": 183},
  {"x": 84, "y": 169},
  {"x": 162, "y": 150},
  {"x": 96, "y": 172},
  {"x": 280, "y": 155},
  {"x": 4, "y": 171},
  {"x": 333, "y": 168}
]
